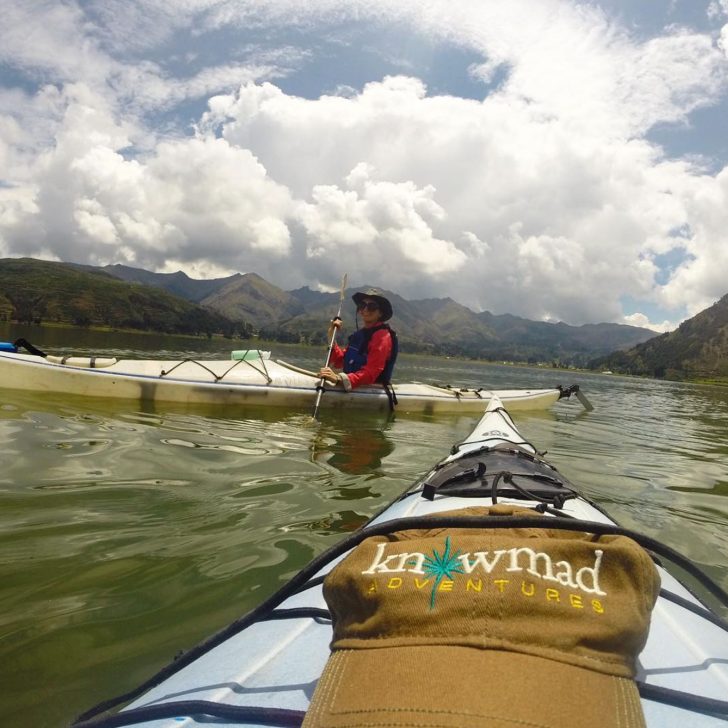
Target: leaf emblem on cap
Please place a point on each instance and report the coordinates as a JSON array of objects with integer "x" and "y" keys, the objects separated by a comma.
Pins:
[{"x": 441, "y": 566}]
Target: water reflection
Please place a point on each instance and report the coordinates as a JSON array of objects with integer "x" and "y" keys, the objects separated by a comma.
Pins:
[{"x": 356, "y": 451}]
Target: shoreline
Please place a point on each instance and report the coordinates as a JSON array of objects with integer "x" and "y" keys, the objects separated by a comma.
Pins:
[{"x": 271, "y": 343}]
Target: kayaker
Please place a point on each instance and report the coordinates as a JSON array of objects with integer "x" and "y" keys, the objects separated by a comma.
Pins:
[{"x": 371, "y": 352}]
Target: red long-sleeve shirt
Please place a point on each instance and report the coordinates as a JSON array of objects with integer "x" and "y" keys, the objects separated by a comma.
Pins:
[{"x": 378, "y": 353}]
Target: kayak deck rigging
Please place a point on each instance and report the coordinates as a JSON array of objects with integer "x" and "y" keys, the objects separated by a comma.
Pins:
[
  {"x": 219, "y": 377},
  {"x": 504, "y": 470}
]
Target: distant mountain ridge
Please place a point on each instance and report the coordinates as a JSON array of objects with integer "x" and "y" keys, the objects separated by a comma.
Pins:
[
  {"x": 438, "y": 326},
  {"x": 246, "y": 304},
  {"x": 179, "y": 283},
  {"x": 251, "y": 298}
]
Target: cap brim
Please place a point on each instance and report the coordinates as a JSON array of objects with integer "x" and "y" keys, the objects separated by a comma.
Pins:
[{"x": 440, "y": 685}]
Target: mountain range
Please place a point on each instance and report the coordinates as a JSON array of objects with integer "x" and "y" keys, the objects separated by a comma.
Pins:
[
  {"x": 244, "y": 305},
  {"x": 438, "y": 326}
]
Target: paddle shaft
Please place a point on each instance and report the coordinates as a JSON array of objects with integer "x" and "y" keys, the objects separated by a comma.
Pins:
[{"x": 320, "y": 388}]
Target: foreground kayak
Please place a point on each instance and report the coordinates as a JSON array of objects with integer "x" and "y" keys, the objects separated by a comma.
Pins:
[
  {"x": 252, "y": 381},
  {"x": 262, "y": 670}
]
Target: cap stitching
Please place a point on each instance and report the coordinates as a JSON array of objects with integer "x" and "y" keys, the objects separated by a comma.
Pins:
[
  {"x": 338, "y": 675},
  {"x": 620, "y": 708},
  {"x": 631, "y": 705},
  {"x": 507, "y": 646},
  {"x": 429, "y": 711},
  {"x": 330, "y": 687}
]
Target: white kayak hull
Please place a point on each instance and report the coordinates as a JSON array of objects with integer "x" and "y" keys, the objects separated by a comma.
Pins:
[
  {"x": 253, "y": 383},
  {"x": 274, "y": 664}
]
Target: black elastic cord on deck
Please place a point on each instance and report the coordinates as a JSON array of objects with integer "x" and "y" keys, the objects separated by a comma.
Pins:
[
  {"x": 680, "y": 699},
  {"x": 557, "y": 500},
  {"x": 219, "y": 377},
  {"x": 164, "y": 373},
  {"x": 502, "y": 475},
  {"x": 318, "y": 614},
  {"x": 238, "y": 713},
  {"x": 406, "y": 524},
  {"x": 316, "y": 581},
  {"x": 696, "y": 609}
]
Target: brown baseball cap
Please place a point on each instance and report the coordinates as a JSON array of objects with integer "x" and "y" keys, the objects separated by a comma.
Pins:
[{"x": 505, "y": 628}]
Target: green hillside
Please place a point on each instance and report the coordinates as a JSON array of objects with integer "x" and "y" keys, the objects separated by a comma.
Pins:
[
  {"x": 697, "y": 349},
  {"x": 36, "y": 291}
]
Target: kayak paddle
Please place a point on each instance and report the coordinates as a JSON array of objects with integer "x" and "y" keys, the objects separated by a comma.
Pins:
[{"x": 320, "y": 387}]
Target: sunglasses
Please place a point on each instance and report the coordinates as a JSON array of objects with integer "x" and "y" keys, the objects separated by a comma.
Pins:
[{"x": 368, "y": 306}]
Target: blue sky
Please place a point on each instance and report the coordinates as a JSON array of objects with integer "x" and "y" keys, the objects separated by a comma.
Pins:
[{"x": 554, "y": 159}]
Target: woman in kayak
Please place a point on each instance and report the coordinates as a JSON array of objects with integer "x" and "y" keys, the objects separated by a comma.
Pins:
[{"x": 372, "y": 350}]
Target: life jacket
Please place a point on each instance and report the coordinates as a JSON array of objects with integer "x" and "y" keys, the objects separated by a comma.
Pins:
[{"x": 355, "y": 356}]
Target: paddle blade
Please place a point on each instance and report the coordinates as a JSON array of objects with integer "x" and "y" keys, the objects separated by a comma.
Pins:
[{"x": 588, "y": 406}]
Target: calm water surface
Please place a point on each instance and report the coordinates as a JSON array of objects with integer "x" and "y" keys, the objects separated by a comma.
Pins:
[{"x": 128, "y": 535}]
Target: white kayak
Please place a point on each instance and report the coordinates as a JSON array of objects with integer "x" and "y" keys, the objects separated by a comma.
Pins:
[
  {"x": 262, "y": 669},
  {"x": 246, "y": 380}
]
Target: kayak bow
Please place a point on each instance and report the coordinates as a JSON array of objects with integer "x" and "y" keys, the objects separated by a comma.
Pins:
[{"x": 261, "y": 670}]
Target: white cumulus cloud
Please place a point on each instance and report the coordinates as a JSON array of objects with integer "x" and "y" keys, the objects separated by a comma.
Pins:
[{"x": 546, "y": 196}]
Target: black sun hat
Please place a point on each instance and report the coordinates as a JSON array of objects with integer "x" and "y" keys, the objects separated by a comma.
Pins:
[{"x": 384, "y": 305}]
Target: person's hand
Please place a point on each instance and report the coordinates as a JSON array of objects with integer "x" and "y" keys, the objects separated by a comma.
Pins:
[
  {"x": 329, "y": 375},
  {"x": 335, "y": 325}
]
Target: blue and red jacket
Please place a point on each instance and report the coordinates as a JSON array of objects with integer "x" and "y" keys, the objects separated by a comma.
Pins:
[{"x": 369, "y": 357}]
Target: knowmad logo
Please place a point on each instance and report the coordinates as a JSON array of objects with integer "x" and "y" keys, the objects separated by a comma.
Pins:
[
  {"x": 530, "y": 572},
  {"x": 441, "y": 566}
]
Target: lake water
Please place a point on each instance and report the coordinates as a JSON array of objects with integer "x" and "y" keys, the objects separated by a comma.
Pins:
[{"x": 127, "y": 536}]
